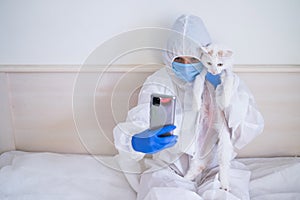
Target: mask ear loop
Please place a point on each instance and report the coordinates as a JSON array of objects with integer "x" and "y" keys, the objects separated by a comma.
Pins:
[{"x": 174, "y": 58}]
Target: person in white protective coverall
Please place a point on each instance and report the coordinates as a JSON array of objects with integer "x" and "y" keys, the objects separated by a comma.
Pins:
[{"x": 162, "y": 176}]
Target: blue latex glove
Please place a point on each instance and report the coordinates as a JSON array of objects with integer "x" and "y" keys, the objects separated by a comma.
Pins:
[
  {"x": 215, "y": 80},
  {"x": 152, "y": 141}
]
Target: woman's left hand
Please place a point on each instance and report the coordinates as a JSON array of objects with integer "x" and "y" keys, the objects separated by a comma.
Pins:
[{"x": 215, "y": 80}]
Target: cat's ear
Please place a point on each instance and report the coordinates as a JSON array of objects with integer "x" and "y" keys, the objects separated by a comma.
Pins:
[
  {"x": 227, "y": 53},
  {"x": 202, "y": 51},
  {"x": 211, "y": 52}
]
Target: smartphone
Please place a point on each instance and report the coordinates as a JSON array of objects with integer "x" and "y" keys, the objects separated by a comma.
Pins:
[{"x": 162, "y": 111}]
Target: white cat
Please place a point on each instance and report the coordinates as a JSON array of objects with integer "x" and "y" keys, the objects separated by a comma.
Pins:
[{"x": 216, "y": 60}]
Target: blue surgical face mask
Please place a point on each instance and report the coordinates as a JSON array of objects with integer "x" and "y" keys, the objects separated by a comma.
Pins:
[{"x": 187, "y": 72}]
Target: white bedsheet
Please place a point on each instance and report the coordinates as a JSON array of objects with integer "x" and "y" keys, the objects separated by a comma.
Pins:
[
  {"x": 274, "y": 178},
  {"x": 43, "y": 176},
  {"x": 49, "y": 176}
]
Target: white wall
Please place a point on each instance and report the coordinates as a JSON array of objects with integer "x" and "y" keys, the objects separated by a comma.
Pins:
[
  {"x": 67, "y": 31},
  {"x": 41, "y": 36}
]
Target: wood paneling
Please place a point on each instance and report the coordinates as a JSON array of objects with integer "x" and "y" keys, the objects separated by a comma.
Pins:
[
  {"x": 66, "y": 112},
  {"x": 6, "y": 122}
]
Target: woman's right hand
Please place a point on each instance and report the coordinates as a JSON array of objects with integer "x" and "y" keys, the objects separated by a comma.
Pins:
[{"x": 153, "y": 141}]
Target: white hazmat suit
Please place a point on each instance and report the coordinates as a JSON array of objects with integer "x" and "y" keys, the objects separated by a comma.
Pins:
[{"x": 162, "y": 176}]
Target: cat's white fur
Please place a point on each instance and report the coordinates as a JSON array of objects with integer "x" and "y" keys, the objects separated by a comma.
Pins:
[{"x": 219, "y": 132}]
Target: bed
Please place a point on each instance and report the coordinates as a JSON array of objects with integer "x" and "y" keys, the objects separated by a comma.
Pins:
[
  {"x": 48, "y": 134},
  {"x": 33, "y": 176}
]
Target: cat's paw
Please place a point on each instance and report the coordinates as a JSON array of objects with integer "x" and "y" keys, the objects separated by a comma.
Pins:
[
  {"x": 224, "y": 184},
  {"x": 227, "y": 93},
  {"x": 224, "y": 95},
  {"x": 226, "y": 188}
]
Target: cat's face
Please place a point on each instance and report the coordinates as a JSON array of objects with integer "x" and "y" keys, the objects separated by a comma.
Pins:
[{"x": 216, "y": 59}]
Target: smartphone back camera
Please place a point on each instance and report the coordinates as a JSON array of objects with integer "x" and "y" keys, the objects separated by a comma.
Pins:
[{"x": 156, "y": 101}]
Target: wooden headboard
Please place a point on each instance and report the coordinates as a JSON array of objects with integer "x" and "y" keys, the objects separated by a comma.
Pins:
[{"x": 57, "y": 109}]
